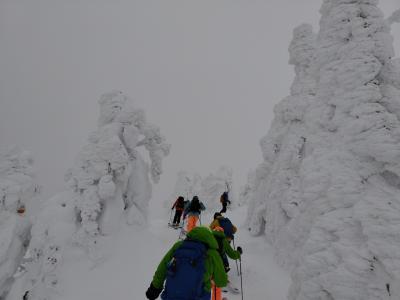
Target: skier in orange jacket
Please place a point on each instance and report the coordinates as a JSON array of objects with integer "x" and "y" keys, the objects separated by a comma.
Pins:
[{"x": 193, "y": 211}]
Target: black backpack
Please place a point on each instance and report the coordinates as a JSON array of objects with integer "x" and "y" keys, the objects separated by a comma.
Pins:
[{"x": 195, "y": 207}]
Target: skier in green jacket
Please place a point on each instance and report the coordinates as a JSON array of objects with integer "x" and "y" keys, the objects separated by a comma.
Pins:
[
  {"x": 224, "y": 249},
  {"x": 213, "y": 265}
]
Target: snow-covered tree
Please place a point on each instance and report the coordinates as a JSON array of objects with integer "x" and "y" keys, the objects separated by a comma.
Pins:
[
  {"x": 246, "y": 191},
  {"x": 208, "y": 189},
  {"x": 18, "y": 192},
  {"x": 109, "y": 183},
  {"x": 213, "y": 185},
  {"x": 327, "y": 192},
  {"x": 187, "y": 185},
  {"x": 110, "y": 176}
]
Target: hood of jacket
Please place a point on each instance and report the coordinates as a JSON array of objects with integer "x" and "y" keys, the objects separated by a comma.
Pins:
[{"x": 204, "y": 235}]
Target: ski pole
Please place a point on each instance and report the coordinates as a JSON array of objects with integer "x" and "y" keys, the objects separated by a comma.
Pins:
[
  {"x": 182, "y": 232},
  {"x": 170, "y": 217},
  {"x": 241, "y": 277},
  {"x": 234, "y": 247}
]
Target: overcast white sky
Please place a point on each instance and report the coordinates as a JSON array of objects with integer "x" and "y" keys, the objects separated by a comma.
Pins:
[{"x": 208, "y": 72}]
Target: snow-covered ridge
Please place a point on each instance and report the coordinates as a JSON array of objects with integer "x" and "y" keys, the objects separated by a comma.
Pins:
[{"x": 327, "y": 194}]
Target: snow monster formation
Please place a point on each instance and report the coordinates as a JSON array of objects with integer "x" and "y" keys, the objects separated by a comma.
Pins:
[
  {"x": 109, "y": 184},
  {"x": 187, "y": 185},
  {"x": 213, "y": 185},
  {"x": 327, "y": 195},
  {"x": 18, "y": 192},
  {"x": 208, "y": 189},
  {"x": 110, "y": 176}
]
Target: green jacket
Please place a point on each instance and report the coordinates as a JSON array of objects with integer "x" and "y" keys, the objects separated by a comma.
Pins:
[
  {"x": 213, "y": 264},
  {"x": 224, "y": 246}
]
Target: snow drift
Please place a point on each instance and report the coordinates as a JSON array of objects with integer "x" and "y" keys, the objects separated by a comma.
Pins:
[{"x": 327, "y": 195}]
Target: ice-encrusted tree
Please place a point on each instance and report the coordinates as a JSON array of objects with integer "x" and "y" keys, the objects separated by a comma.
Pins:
[
  {"x": 18, "y": 194},
  {"x": 108, "y": 184},
  {"x": 213, "y": 185},
  {"x": 327, "y": 194},
  {"x": 208, "y": 189},
  {"x": 110, "y": 176},
  {"x": 246, "y": 191},
  {"x": 187, "y": 185}
]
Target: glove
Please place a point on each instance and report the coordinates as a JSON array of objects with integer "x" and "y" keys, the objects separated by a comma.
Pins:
[
  {"x": 239, "y": 249},
  {"x": 152, "y": 292}
]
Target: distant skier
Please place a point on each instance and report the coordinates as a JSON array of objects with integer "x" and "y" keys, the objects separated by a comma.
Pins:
[
  {"x": 193, "y": 211},
  {"x": 224, "y": 249},
  {"x": 179, "y": 206},
  {"x": 188, "y": 267},
  {"x": 224, "y": 199}
]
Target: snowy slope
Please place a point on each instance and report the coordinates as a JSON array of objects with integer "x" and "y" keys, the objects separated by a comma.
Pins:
[{"x": 132, "y": 257}]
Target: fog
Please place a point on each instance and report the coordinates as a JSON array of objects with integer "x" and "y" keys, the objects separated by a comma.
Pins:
[{"x": 207, "y": 72}]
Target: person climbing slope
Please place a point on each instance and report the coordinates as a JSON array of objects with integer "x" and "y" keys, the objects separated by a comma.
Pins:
[
  {"x": 179, "y": 206},
  {"x": 224, "y": 249},
  {"x": 226, "y": 224},
  {"x": 224, "y": 199},
  {"x": 229, "y": 231},
  {"x": 193, "y": 211},
  {"x": 188, "y": 268}
]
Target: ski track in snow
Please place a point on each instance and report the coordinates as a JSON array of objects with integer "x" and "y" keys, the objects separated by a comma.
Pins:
[{"x": 135, "y": 253}]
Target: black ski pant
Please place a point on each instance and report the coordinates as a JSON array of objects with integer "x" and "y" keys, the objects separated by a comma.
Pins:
[
  {"x": 177, "y": 217},
  {"x": 223, "y": 210}
]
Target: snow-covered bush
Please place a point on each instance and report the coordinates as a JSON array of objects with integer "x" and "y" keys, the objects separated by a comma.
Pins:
[
  {"x": 51, "y": 237},
  {"x": 18, "y": 188},
  {"x": 326, "y": 195},
  {"x": 18, "y": 193}
]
